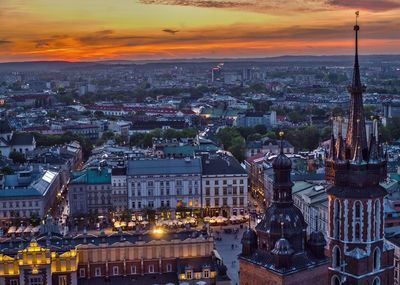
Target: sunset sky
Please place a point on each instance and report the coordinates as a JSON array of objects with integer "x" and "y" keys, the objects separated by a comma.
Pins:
[{"x": 82, "y": 30}]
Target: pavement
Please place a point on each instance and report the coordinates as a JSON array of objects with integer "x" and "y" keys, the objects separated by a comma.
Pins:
[{"x": 230, "y": 255}]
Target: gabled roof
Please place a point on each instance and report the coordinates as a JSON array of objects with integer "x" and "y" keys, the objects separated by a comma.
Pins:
[
  {"x": 22, "y": 139},
  {"x": 5, "y": 127}
]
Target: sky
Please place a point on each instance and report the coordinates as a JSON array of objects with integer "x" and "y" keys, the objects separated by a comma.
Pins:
[{"x": 91, "y": 30}]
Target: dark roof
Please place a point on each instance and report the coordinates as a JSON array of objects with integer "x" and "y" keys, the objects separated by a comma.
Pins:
[
  {"x": 118, "y": 171},
  {"x": 5, "y": 127},
  {"x": 147, "y": 279},
  {"x": 196, "y": 264},
  {"x": 10, "y": 246},
  {"x": 22, "y": 139},
  {"x": 298, "y": 262},
  {"x": 222, "y": 165},
  {"x": 356, "y": 192}
]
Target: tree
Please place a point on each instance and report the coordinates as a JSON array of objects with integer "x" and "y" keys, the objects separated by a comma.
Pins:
[
  {"x": 237, "y": 148},
  {"x": 326, "y": 133},
  {"x": 188, "y": 133},
  {"x": 17, "y": 157},
  {"x": 337, "y": 111},
  {"x": 225, "y": 136},
  {"x": 394, "y": 128},
  {"x": 261, "y": 129},
  {"x": 7, "y": 170}
]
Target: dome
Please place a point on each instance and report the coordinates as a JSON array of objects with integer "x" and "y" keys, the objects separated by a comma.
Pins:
[
  {"x": 282, "y": 247},
  {"x": 293, "y": 226},
  {"x": 282, "y": 162},
  {"x": 249, "y": 237},
  {"x": 317, "y": 239}
]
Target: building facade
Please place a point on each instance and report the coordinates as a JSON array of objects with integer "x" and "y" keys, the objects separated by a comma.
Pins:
[
  {"x": 119, "y": 258},
  {"x": 90, "y": 191},
  {"x": 165, "y": 184},
  {"x": 119, "y": 192},
  {"x": 224, "y": 186}
]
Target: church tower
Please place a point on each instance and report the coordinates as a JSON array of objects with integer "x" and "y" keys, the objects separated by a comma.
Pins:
[
  {"x": 278, "y": 251},
  {"x": 359, "y": 254}
]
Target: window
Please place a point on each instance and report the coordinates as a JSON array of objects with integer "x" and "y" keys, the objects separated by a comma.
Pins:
[
  {"x": 207, "y": 182},
  {"x": 115, "y": 270},
  {"x": 216, "y": 182},
  {"x": 206, "y": 273},
  {"x": 225, "y": 202},
  {"x": 376, "y": 281},
  {"x": 151, "y": 204},
  {"x": 337, "y": 216},
  {"x": 234, "y": 190},
  {"x": 14, "y": 282},
  {"x": 241, "y": 201},
  {"x": 190, "y": 203},
  {"x": 216, "y": 202},
  {"x": 139, "y": 204},
  {"x": 216, "y": 191},
  {"x": 169, "y": 267},
  {"x": 98, "y": 271},
  {"x": 150, "y": 183},
  {"x": 234, "y": 181},
  {"x": 336, "y": 257},
  {"x": 151, "y": 268},
  {"x": 234, "y": 201},
  {"x": 162, "y": 203},
  {"x": 207, "y": 202},
  {"x": 133, "y": 269},
  {"x": 377, "y": 219},
  {"x": 62, "y": 280},
  {"x": 82, "y": 272},
  {"x": 377, "y": 259},
  {"x": 37, "y": 280},
  {"x": 207, "y": 191},
  {"x": 241, "y": 190},
  {"x": 224, "y": 182},
  {"x": 335, "y": 280},
  {"x": 189, "y": 274},
  {"x": 167, "y": 203},
  {"x": 357, "y": 209},
  {"x": 196, "y": 203},
  {"x": 357, "y": 234}
]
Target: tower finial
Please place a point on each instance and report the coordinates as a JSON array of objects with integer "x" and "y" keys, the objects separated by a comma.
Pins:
[
  {"x": 281, "y": 142},
  {"x": 356, "y": 74}
]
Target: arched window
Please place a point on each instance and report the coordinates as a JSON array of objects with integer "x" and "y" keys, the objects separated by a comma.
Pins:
[
  {"x": 336, "y": 258},
  {"x": 376, "y": 281},
  {"x": 357, "y": 209},
  {"x": 336, "y": 218},
  {"x": 377, "y": 259},
  {"x": 335, "y": 280},
  {"x": 357, "y": 232},
  {"x": 377, "y": 219}
]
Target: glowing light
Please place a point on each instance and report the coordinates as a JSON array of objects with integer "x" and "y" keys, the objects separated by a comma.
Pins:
[{"x": 158, "y": 231}]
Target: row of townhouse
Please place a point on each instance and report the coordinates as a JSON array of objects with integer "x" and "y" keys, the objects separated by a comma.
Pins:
[{"x": 214, "y": 184}]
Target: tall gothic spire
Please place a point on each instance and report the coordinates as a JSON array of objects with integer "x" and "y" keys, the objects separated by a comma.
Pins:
[{"x": 354, "y": 129}]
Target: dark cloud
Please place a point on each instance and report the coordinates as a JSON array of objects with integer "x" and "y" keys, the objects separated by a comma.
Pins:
[
  {"x": 170, "y": 31},
  {"x": 371, "y": 5},
  {"x": 107, "y": 36},
  {"x": 3, "y": 42},
  {"x": 198, "y": 3}
]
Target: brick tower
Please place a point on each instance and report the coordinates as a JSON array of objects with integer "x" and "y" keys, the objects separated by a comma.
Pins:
[{"x": 356, "y": 243}]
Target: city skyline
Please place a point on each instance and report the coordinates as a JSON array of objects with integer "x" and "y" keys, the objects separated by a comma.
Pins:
[{"x": 175, "y": 29}]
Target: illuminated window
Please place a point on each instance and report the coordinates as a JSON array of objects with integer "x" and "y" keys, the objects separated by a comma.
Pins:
[
  {"x": 196, "y": 203},
  {"x": 190, "y": 203},
  {"x": 189, "y": 274},
  {"x": 62, "y": 280},
  {"x": 179, "y": 203},
  {"x": 206, "y": 273}
]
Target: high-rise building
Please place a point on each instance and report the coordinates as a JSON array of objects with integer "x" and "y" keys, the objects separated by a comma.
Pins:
[
  {"x": 356, "y": 235},
  {"x": 278, "y": 252}
]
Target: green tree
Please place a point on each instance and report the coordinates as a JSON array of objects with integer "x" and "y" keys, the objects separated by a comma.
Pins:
[
  {"x": 226, "y": 135},
  {"x": 7, "y": 170},
  {"x": 237, "y": 148},
  {"x": 17, "y": 157},
  {"x": 326, "y": 133},
  {"x": 394, "y": 128},
  {"x": 261, "y": 129}
]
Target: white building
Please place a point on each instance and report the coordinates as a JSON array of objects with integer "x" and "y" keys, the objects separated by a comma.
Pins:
[
  {"x": 224, "y": 186},
  {"x": 165, "y": 184}
]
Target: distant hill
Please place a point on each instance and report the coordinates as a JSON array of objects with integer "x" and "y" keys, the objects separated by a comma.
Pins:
[{"x": 67, "y": 65}]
